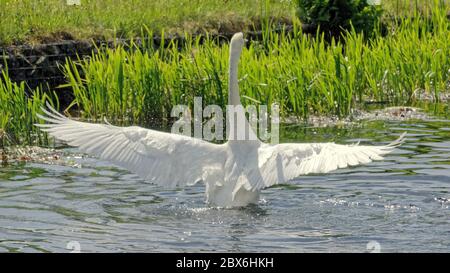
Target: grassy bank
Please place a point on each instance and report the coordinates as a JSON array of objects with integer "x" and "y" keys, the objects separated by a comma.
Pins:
[
  {"x": 32, "y": 21},
  {"x": 413, "y": 7},
  {"x": 304, "y": 74},
  {"x": 35, "y": 21}
]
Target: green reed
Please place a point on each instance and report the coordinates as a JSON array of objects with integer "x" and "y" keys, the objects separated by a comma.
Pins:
[
  {"x": 18, "y": 113},
  {"x": 305, "y": 75}
]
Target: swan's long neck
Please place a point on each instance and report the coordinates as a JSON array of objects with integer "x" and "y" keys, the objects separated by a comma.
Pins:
[
  {"x": 235, "y": 121},
  {"x": 233, "y": 87},
  {"x": 239, "y": 129}
]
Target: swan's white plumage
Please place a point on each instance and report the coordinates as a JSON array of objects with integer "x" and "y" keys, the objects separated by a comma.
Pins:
[
  {"x": 234, "y": 172},
  {"x": 174, "y": 160},
  {"x": 292, "y": 160},
  {"x": 164, "y": 158}
]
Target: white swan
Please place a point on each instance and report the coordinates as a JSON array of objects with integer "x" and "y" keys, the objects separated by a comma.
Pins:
[{"x": 234, "y": 172}]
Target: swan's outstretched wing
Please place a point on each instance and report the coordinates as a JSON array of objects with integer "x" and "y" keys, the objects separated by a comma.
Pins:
[
  {"x": 283, "y": 162},
  {"x": 166, "y": 159}
]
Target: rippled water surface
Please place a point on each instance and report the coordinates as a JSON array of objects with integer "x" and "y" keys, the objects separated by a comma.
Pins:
[{"x": 401, "y": 203}]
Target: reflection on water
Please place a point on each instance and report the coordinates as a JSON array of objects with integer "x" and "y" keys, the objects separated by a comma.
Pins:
[{"x": 401, "y": 202}]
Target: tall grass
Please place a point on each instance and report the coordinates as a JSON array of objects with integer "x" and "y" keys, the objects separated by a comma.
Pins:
[
  {"x": 305, "y": 75},
  {"x": 413, "y": 7},
  {"x": 18, "y": 113}
]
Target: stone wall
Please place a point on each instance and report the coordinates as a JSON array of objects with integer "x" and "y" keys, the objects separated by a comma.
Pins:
[{"x": 40, "y": 64}]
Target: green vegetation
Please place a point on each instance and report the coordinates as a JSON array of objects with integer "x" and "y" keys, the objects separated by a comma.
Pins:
[
  {"x": 18, "y": 113},
  {"x": 304, "y": 74},
  {"x": 34, "y": 21},
  {"x": 402, "y": 8},
  {"x": 334, "y": 16}
]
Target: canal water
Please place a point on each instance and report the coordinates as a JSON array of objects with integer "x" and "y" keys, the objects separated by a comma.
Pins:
[{"x": 400, "y": 204}]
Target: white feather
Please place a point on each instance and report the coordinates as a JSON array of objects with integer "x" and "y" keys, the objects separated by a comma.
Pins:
[{"x": 234, "y": 172}]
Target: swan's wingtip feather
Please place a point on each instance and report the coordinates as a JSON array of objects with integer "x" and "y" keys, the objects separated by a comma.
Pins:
[
  {"x": 398, "y": 142},
  {"x": 46, "y": 118},
  {"x": 106, "y": 121},
  {"x": 401, "y": 139}
]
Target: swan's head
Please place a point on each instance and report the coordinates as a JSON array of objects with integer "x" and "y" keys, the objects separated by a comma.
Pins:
[{"x": 237, "y": 42}]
